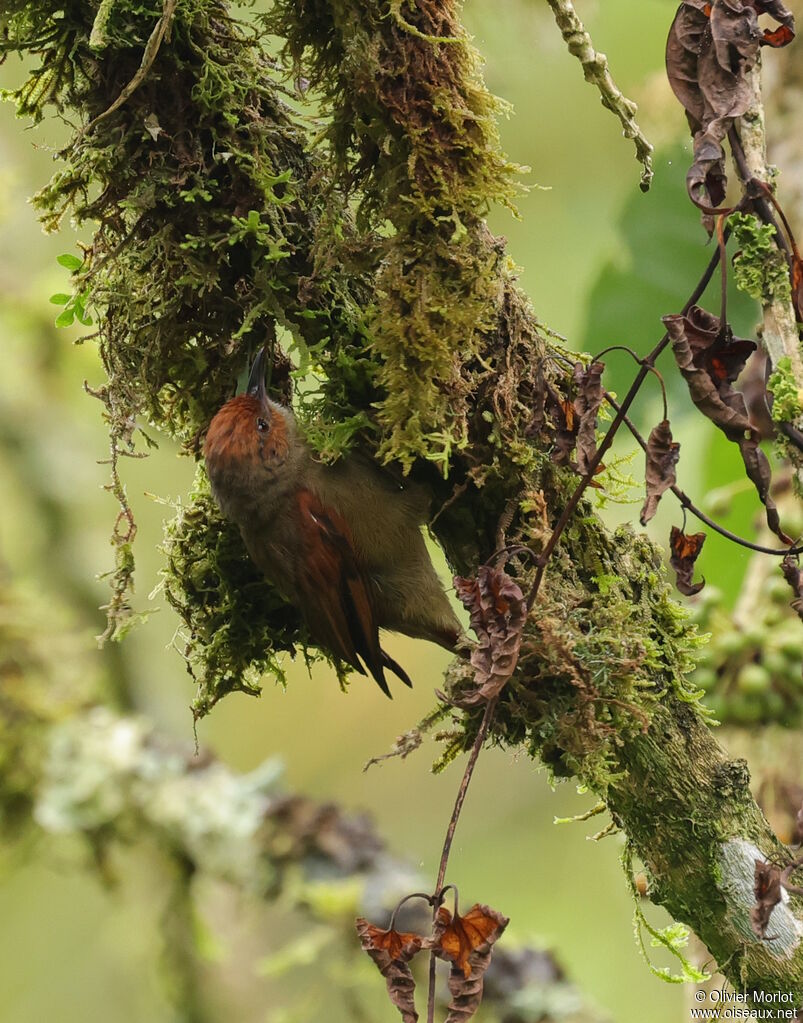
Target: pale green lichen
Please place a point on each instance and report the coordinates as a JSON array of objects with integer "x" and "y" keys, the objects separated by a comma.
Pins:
[
  {"x": 759, "y": 266},
  {"x": 787, "y": 404}
]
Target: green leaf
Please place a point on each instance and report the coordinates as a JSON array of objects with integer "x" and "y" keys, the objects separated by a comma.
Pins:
[
  {"x": 68, "y": 260},
  {"x": 65, "y": 318},
  {"x": 59, "y": 298}
]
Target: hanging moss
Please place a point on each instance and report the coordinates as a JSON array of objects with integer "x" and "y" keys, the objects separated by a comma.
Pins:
[
  {"x": 205, "y": 229},
  {"x": 413, "y": 132}
]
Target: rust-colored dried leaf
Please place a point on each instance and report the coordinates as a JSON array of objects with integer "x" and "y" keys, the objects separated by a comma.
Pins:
[
  {"x": 561, "y": 412},
  {"x": 767, "y": 893},
  {"x": 785, "y": 33},
  {"x": 466, "y": 942},
  {"x": 662, "y": 457},
  {"x": 497, "y": 611},
  {"x": 794, "y": 576},
  {"x": 710, "y": 359},
  {"x": 392, "y": 951},
  {"x": 685, "y": 551},
  {"x": 586, "y": 405}
]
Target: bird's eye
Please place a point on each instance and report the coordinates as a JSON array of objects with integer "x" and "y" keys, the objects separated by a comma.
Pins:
[{"x": 262, "y": 424}]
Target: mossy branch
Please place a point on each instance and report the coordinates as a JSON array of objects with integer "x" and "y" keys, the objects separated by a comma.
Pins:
[{"x": 411, "y": 317}]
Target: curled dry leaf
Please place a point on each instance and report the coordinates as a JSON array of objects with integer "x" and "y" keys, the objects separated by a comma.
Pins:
[
  {"x": 392, "y": 951},
  {"x": 794, "y": 576},
  {"x": 466, "y": 942},
  {"x": 711, "y": 49},
  {"x": 662, "y": 457},
  {"x": 497, "y": 611},
  {"x": 710, "y": 358},
  {"x": 685, "y": 551},
  {"x": 561, "y": 411},
  {"x": 586, "y": 405},
  {"x": 770, "y": 880},
  {"x": 767, "y": 893},
  {"x": 576, "y": 420}
]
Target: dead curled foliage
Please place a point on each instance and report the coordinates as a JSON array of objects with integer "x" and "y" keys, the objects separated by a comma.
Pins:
[
  {"x": 771, "y": 880},
  {"x": 794, "y": 576},
  {"x": 710, "y": 358},
  {"x": 498, "y": 612},
  {"x": 662, "y": 456},
  {"x": 711, "y": 49},
  {"x": 392, "y": 951},
  {"x": 575, "y": 420},
  {"x": 685, "y": 551},
  {"x": 466, "y": 942}
]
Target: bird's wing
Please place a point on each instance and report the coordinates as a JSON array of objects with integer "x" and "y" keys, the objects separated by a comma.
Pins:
[{"x": 335, "y": 591}]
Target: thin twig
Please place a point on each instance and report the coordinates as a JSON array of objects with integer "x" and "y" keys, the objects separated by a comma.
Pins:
[
  {"x": 687, "y": 503},
  {"x": 595, "y": 71},
  {"x": 607, "y": 440},
  {"x": 485, "y": 724},
  {"x": 641, "y": 362}
]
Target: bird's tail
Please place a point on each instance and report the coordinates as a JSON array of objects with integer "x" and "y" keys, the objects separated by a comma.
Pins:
[{"x": 396, "y": 668}]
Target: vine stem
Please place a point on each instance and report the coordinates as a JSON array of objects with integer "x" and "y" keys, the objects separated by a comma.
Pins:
[
  {"x": 645, "y": 369},
  {"x": 485, "y": 724},
  {"x": 687, "y": 503}
]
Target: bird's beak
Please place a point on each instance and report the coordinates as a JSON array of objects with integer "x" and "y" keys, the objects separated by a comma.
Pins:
[{"x": 256, "y": 379}]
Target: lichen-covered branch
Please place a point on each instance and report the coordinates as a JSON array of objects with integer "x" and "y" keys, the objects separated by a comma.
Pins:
[
  {"x": 596, "y": 71},
  {"x": 430, "y": 358},
  {"x": 781, "y": 334}
]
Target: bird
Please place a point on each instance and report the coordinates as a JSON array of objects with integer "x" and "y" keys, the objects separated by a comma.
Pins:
[{"x": 342, "y": 542}]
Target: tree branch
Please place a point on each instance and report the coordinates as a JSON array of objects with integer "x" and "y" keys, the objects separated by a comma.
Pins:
[{"x": 596, "y": 71}]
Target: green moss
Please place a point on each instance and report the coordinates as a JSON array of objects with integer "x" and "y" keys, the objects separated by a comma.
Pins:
[
  {"x": 759, "y": 266},
  {"x": 236, "y": 627},
  {"x": 208, "y": 234},
  {"x": 413, "y": 133},
  {"x": 787, "y": 404}
]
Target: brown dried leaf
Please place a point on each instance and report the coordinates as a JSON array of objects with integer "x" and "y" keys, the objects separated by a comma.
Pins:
[
  {"x": 685, "y": 551},
  {"x": 767, "y": 892},
  {"x": 586, "y": 405},
  {"x": 710, "y": 50},
  {"x": 662, "y": 457},
  {"x": 794, "y": 576},
  {"x": 466, "y": 942},
  {"x": 392, "y": 951},
  {"x": 497, "y": 611},
  {"x": 561, "y": 412},
  {"x": 710, "y": 359}
]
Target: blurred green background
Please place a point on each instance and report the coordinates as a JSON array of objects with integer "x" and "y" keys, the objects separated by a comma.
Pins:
[{"x": 602, "y": 263}]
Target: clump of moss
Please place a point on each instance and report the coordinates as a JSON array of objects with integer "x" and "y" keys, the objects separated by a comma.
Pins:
[
  {"x": 413, "y": 132},
  {"x": 759, "y": 267},
  {"x": 205, "y": 229},
  {"x": 237, "y": 627}
]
